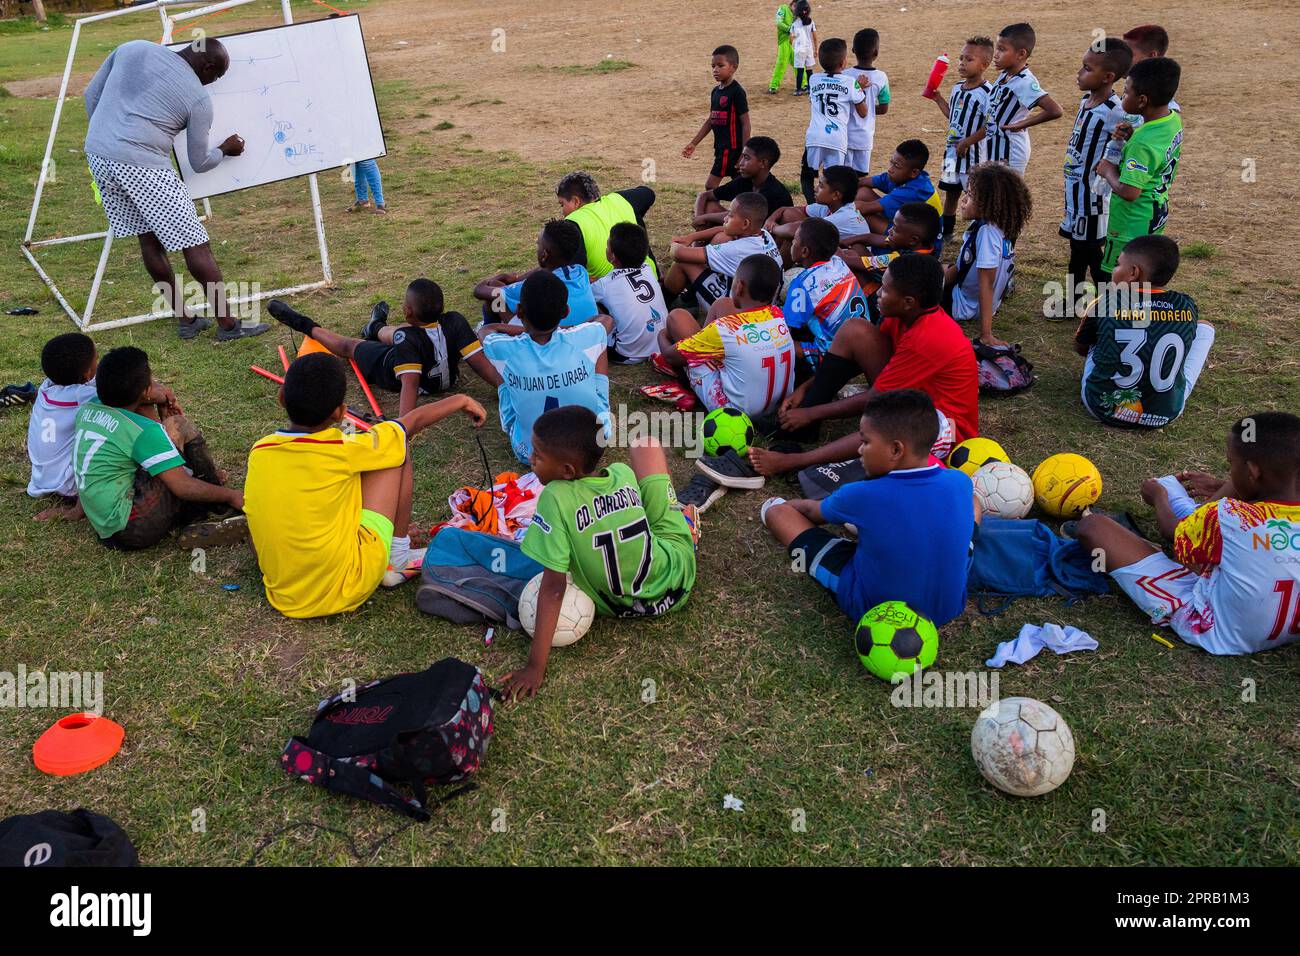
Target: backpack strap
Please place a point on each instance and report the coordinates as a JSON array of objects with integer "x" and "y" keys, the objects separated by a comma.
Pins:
[
  {"x": 302, "y": 760},
  {"x": 964, "y": 264}
]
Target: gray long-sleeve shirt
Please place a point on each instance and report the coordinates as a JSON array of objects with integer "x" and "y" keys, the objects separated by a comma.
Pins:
[{"x": 140, "y": 100}]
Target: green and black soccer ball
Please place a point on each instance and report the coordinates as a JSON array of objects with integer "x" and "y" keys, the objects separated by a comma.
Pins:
[
  {"x": 727, "y": 428},
  {"x": 893, "y": 639}
]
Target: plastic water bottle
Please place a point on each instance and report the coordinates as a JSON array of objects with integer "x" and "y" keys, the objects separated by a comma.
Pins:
[{"x": 1113, "y": 153}]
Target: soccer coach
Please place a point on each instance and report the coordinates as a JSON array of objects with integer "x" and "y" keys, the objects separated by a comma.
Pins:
[{"x": 138, "y": 102}]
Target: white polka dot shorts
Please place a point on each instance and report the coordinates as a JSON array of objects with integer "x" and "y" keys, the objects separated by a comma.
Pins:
[{"x": 139, "y": 199}]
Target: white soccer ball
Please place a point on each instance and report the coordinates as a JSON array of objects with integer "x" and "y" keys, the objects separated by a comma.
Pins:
[
  {"x": 1022, "y": 746},
  {"x": 1003, "y": 489},
  {"x": 576, "y": 612}
]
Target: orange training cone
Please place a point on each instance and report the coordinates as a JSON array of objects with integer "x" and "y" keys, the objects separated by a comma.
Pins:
[
  {"x": 310, "y": 345},
  {"x": 77, "y": 743}
]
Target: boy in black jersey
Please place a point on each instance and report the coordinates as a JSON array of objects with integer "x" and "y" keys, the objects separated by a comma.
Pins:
[
  {"x": 728, "y": 118},
  {"x": 422, "y": 356}
]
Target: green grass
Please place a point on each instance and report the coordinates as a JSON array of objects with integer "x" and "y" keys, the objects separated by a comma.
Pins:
[
  {"x": 583, "y": 69},
  {"x": 1198, "y": 250},
  {"x": 758, "y": 690},
  {"x": 21, "y": 25}
]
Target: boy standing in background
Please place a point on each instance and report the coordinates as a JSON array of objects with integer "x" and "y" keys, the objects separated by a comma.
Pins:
[
  {"x": 1014, "y": 98},
  {"x": 1086, "y": 212},
  {"x": 874, "y": 83},
  {"x": 832, "y": 97},
  {"x": 728, "y": 118},
  {"x": 784, "y": 52},
  {"x": 967, "y": 113}
]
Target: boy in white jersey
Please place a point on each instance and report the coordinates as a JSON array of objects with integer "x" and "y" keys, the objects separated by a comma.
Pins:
[
  {"x": 69, "y": 363},
  {"x": 1234, "y": 587},
  {"x": 1086, "y": 212},
  {"x": 1016, "y": 102},
  {"x": 705, "y": 261},
  {"x": 875, "y": 84},
  {"x": 631, "y": 295},
  {"x": 832, "y": 97},
  {"x": 836, "y": 188},
  {"x": 966, "y": 111},
  {"x": 743, "y": 357}
]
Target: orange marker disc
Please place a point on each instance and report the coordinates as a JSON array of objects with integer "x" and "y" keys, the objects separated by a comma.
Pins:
[{"x": 77, "y": 743}]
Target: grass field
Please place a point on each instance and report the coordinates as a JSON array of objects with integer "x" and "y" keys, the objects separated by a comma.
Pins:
[{"x": 757, "y": 689}]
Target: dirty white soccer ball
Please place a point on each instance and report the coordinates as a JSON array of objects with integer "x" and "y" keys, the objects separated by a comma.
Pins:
[
  {"x": 1003, "y": 489},
  {"x": 576, "y": 612},
  {"x": 1022, "y": 746}
]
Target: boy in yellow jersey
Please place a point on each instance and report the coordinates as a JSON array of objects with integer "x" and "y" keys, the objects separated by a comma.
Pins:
[{"x": 329, "y": 510}]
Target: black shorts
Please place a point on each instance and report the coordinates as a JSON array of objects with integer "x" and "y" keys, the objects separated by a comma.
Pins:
[
  {"x": 950, "y": 187},
  {"x": 709, "y": 286},
  {"x": 375, "y": 360},
  {"x": 726, "y": 162},
  {"x": 820, "y": 481},
  {"x": 823, "y": 555}
]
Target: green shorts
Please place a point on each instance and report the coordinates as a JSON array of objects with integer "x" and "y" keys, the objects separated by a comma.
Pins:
[
  {"x": 1114, "y": 246},
  {"x": 381, "y": 525}
]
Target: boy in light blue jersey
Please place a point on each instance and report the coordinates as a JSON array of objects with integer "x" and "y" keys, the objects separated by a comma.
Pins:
[
  {"x": 825, "y": 295},
  {"x": 544, "y": 366},
  {"x": 558, "y": 248}
]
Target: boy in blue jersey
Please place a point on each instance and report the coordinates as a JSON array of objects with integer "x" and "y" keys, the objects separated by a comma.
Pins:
[
  {"x": 544, "y": 366},
  {"x": 825, "y": 295},
  {"x": 915, "y": 520},
  {"x": 904, "y": 181},
  {"x": 559, "y": 247}
]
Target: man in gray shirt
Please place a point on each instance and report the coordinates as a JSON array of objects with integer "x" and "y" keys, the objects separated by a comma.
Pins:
[{"x": 138, "y": 102}]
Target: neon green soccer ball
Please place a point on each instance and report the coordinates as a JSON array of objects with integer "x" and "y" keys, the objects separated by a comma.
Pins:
[
  {"x": 893, "y": 639},
  {"x": 727, "y": 428}
]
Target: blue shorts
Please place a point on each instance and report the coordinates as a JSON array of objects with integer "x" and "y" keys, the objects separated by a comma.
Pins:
[{"x": 824, "y": 556}]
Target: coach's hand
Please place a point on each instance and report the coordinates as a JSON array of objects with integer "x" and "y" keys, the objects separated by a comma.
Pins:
[{"x": 232, "y": 145}]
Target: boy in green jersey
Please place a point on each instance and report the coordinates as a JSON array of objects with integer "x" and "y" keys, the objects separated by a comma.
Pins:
[
  {"x": 784, "y": 51},
  {"x": 1149, "y": 162},
  {"x": 615, "y": 530},
  {"x": 141, "y": 467}
]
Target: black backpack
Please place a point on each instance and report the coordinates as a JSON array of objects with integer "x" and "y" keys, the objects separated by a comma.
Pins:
[
  {"x": 52, "y": 838},
  {"x": 421, "y": 730}
]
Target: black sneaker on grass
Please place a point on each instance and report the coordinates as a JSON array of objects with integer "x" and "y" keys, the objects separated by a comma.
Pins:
[
  {"x": 18, "y": 394},
  {"x": 241, "y": 331},
  {"x": 378, "y": 319},
  {"x": 191, "y": 329},
  {"x": 283, "y": 313},
  {"x": 731, "y": 470},
  {"x": 701, "y": 491}
]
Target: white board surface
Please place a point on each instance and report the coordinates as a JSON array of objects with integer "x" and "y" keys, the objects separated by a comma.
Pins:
[{"x": 300, "y": 95}]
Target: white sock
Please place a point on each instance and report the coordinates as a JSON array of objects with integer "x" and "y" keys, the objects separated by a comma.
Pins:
[
  {"x": 399, "y": 552},
  {"x": 768, "y": 504}
]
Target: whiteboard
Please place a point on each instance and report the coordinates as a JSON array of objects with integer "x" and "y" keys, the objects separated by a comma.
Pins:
[{"x": 300, "y": 95}]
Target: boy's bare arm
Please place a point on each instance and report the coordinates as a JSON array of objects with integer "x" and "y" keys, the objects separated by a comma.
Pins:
[
  {"x": 689, "y": 150},
  {"x": 484, "y": 368},
  {"x": 812, "y": 510},
  {"x": 188, "y": 488},
  {"x": 423, "y": 416},
  {"x": 1045, "y": 110},
  {"x": 520, "y": 684}
]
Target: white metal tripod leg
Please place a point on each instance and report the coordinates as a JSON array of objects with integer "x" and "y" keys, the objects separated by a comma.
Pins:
[
  {"x": 99, "y": 276},
  {"x": 320, "y": 229}
]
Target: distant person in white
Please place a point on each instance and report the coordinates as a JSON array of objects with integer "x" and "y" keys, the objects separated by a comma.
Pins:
[{"x": 138, "y": 102}]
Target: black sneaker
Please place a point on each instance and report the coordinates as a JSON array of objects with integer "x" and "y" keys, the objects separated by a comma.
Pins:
[
  {"x": 1070, "y": 529},
  {"x": 731, "y": 470},
  {"x": 214, "y": 534},
  {"x": 190, "y": 330},
  {"x": 701, "y": 491},
  {"x": 281, "y": 312},
  {"x": 378, "y": 319},
  {"x": 18, "y": 394},
  {"x": 241, "y": 331}
]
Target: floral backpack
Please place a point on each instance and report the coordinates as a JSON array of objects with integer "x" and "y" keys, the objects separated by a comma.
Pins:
[
  {"x": 1002, "y": 369},
  {"x": 418, "y": 730}
]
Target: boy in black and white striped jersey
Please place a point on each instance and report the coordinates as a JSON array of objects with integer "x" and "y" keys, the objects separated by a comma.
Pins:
[
  {"x": 1086, "y": 212},
  {"x": 1017, "y": 101},
  {"x": 966, "y": 108}
]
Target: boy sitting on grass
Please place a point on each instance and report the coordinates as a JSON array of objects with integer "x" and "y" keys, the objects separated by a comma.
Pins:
[
  {"x": 916, "y": 228},
  {"x": 906, "y": 180},
  {"x": 836, "y": 186},
  {"x": 1143, "y": 345},
  {"x": 559, "y": 250},
  {"x": 133, "y": 484},
  {"x": 328, "y": 508},
  {"x": 422, "y": 356},
  {"x": 544, "y": 366},
  {"x": 754, "y": 171},
  {"x": 705, "y": 261},
  {"x": 825, "y": 294},
  {"x": 631, "y": 295},
  {"x": 1233, "y": 586},
  {"x": 915, "y": 520},
  {"x": 615, "y": 529},
  {"x": 69, "y": 362}
]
